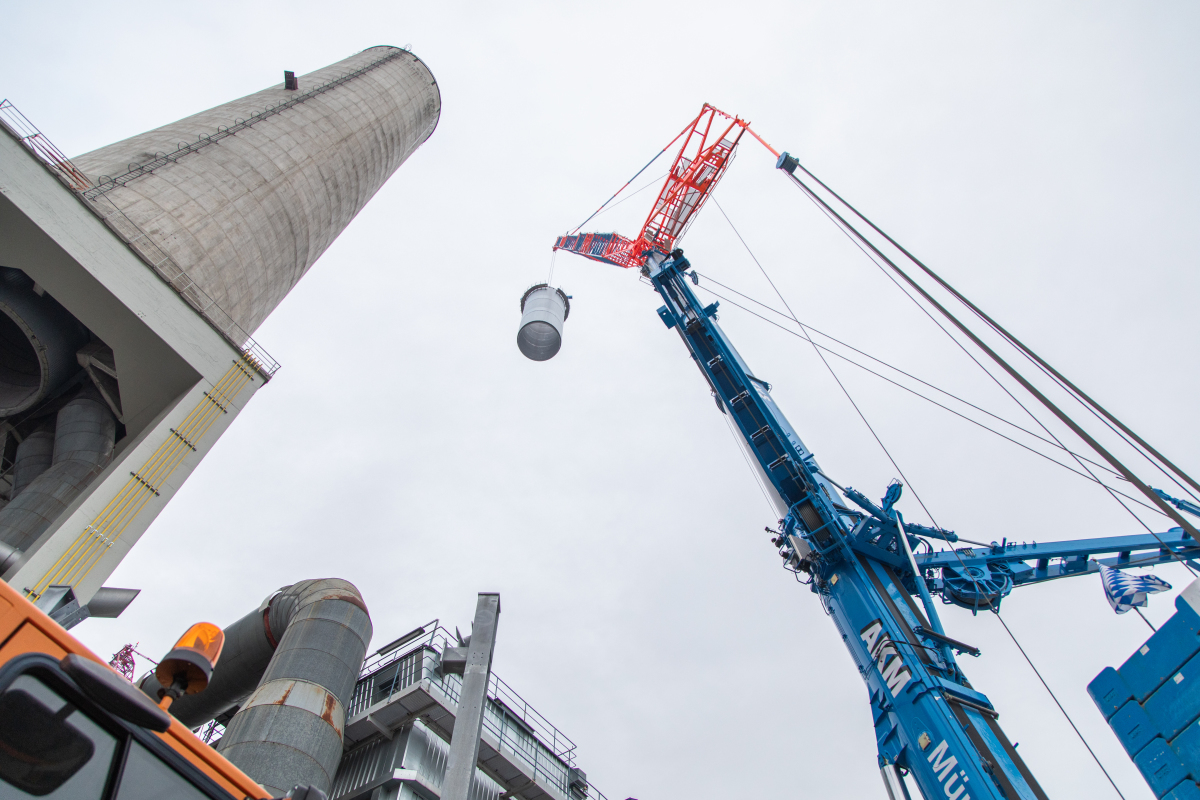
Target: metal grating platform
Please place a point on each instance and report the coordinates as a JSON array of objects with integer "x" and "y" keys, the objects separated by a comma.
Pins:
[{"x": 402, "y": 695}]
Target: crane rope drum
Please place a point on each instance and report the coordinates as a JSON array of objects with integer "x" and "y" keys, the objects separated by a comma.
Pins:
[{"x": 932, "y": 726}]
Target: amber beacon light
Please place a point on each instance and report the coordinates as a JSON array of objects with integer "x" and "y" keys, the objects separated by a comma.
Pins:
[{"x": 189, "y": 665}]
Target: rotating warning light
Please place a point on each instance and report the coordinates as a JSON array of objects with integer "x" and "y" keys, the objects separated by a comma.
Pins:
[{"x": 189, "y": 665}]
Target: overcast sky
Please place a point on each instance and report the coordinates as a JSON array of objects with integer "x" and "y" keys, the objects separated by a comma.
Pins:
[{"x": 1040, "y": 155}]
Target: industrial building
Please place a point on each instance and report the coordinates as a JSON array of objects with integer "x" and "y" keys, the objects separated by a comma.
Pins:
[
  {"x": 292, "y": 700},
  {"x": 133, "y": 278},
  {"x": 400, "y": 720}
]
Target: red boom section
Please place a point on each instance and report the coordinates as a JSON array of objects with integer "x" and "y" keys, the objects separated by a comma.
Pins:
[{"x": 707, "y": 150}]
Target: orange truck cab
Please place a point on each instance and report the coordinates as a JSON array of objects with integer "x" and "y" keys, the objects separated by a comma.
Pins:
[{"x": 72, "y": 728}]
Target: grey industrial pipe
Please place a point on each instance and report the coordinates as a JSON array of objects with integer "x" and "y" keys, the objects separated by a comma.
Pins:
[
  {"x": 34, "y": 456},
  {"x": 38, "y": 340},
  {"x": 243, "y": 661},
  {"x": 84, "y": 433},
  {"x": 292, "y": 666}
]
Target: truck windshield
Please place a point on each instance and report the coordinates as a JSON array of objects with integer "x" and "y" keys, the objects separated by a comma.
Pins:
[
  {"x": 146, "y": 777},
  {"x": 48, "y": 748}
]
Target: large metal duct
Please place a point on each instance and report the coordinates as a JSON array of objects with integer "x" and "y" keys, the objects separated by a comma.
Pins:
[
  {"x": 291, "y": 665},
  {"x": 34, "y": 456},
  {"x": 243, "y": 661},
  {"x": 246, "y": 215},
  {"x": 38, "y": 341},
  {"x": 84, "y": 433}
]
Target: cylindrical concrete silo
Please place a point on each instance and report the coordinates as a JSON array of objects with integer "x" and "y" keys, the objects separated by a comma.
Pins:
[{"x": 247, "y": 195}]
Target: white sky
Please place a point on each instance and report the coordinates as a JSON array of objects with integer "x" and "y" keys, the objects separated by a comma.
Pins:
[{"x": 1040, "y": 155}]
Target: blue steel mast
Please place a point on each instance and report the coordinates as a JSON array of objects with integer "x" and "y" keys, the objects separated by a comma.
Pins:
[{"x": 930, "y": 723}]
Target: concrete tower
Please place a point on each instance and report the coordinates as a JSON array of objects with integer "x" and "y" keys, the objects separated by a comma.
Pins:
[{"x": 131, "y": 280}]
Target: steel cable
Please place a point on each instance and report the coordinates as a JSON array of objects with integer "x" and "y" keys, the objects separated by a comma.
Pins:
[
  {"x": 995, "y": 609},
  {"x": 938, "y": 389},
  {"x": 863, "y": 244},
  {"x": 824, "y": 361},
  {"x": 1091, "y": 405},
  {"x": 1025, "y": 351},
  {"x": 635, "y": 175},
  {"x": 851, "y": 361}
]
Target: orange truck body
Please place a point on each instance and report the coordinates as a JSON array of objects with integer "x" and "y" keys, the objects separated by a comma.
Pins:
[{"x": 26, "y": 629}]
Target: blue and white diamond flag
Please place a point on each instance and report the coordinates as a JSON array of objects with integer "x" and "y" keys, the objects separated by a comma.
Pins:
[{"x": 1126, "y": 591}]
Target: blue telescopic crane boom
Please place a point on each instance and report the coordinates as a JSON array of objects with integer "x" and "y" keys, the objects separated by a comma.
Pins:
[{"x": 930, "y": 723}]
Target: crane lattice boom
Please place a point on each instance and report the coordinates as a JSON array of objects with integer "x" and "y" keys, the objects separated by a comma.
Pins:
[{"x": 698, "y": 166}]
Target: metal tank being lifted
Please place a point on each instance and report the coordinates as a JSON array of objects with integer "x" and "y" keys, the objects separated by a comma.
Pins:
[{"x": 544, "y": 309}]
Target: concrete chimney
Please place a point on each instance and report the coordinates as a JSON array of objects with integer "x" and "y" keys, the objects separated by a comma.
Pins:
[
  {"x": 134, "y": 276},
  {"x": 246, "y": 216}
]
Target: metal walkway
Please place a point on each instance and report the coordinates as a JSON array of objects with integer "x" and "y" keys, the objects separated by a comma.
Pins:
[{"x": 526, "y": 756}]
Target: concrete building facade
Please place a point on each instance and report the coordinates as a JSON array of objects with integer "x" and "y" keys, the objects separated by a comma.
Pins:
[{"x": 132, "y": 278}]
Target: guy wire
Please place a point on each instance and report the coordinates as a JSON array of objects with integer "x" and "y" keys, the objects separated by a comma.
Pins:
[
  {"x": 995, "y": 610},
  {"x": 859, "y": 240},
  {"x": 821, "y": 355},
  {"x": 1095, "y": 408},
  {"x": 1024, "y": 382},
  {"x": 898, "y": 385},
  {"x": 865, "y": 354}
]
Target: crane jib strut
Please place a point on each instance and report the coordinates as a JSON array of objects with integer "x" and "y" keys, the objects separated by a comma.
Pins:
[{"x": 930, "y": 723}]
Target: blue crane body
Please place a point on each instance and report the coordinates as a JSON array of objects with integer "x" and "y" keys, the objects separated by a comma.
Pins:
[
  {"x": 929, "y": 721},
  {"x": 858, "y": 556}
]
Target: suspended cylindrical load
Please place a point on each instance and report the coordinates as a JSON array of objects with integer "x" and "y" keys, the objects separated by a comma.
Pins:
[{"x": 544, "y": 309}]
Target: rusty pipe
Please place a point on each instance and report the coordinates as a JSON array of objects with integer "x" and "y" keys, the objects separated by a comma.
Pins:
[{"x": 291, "y": 666}]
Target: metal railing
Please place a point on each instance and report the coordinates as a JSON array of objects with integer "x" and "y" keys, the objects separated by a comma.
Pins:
[
  {"x": 417, "y": 668},
  {"x": 138, "y": 240},
  {"x": 516, "y": 725},
  {"x": 210, "y": 732},
  {"x": 36, "y": 141},
  {"x": 107, "y": 184}
]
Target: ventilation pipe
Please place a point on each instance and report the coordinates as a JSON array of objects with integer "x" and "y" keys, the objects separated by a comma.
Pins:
[
  {"x": 291, "y": 665},
  {"x": 35, "y": 454},
  {"x": 84, "y": 434},
  {"x": 38, "y": 342},
  {"x": 243, "y": 661}
]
